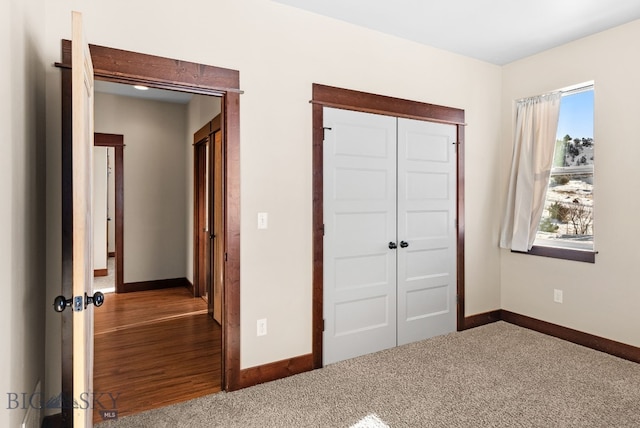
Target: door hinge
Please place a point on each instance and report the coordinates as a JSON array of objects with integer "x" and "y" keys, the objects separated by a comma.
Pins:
[
  {"x": 226, "y": 257},
  {"x": 323, "y": 229},
  {"x": 324, "y": 129},
  {"x": 322, "y": 325}
]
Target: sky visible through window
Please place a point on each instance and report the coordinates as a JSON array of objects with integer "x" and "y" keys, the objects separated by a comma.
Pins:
[
  {"x": 576, "y": 115},
  {"x": 567, "y": 219}
]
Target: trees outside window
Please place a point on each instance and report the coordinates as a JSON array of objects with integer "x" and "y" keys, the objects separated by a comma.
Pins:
[{"x": 567, "y": 220}]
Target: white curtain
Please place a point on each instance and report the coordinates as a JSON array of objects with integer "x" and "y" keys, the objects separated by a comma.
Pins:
[{"x": 534, "y": 143}]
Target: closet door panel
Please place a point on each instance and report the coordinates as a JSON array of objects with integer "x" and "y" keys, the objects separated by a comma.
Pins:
[
  {"x": 426, "y": 226},
  {"x": 359, "y": 222}
]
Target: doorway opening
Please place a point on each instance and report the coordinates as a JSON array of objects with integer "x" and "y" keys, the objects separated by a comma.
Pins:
[
  {"x": 120, "y": 66},
  {"x": 157, "y": 306}
]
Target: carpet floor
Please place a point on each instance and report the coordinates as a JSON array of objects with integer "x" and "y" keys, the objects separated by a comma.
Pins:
[{"x": 498, "y": 375}]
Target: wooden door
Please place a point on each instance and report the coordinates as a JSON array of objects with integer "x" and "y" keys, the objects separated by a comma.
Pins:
[
  {"x": 209, "y": 236},
  {"x": 359, "y": 234},
  {"x": 201, "y": 229},
  {"x": 82, "y": 161},
  {"x": 218, "y": 224},
  {"x": 426, "y": 229}
]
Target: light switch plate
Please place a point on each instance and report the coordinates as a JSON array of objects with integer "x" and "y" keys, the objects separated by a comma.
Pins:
[{"x": 263, "y": 220}]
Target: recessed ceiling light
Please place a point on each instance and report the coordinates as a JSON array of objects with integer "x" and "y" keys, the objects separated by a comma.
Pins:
[{"x": 141, "y": 87}]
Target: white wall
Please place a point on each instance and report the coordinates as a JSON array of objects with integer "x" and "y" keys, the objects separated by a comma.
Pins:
[
  {"x": 6, "y": 191},
  {"x": 22, "y": 215},
  {"x": 600, "y": 298},
  {"x": 100, "y": 194},
  {"x": 280, "y": 51},
  {"x": 200, "y": 110},
  {"x": 155, "y": 211}
]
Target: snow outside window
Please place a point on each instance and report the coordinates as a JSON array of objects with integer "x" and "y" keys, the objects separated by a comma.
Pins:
[{"x": 567, "y": 219}]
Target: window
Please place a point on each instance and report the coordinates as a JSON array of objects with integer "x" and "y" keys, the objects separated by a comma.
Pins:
[{"x": 566, "y": 226}]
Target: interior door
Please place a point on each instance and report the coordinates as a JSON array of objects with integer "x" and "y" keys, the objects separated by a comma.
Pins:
[
  {"x": 218, "y": 226},
  {"x": 201, "y": 229},
  {"x": 82, "y": 161},
  {"x": 426, "y": 229},
  {"x": 360, "y": 234}
]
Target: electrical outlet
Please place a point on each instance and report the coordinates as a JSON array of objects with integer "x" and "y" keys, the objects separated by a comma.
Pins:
[
  {"x": 262, "y": 327},
  {"x": 557, "y": 296}
]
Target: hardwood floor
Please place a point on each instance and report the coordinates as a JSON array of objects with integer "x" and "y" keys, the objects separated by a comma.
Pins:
[{"x": 154, "y": 348}]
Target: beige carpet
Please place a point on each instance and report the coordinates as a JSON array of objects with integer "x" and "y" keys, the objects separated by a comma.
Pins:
[{"x": 498, "y": 375}]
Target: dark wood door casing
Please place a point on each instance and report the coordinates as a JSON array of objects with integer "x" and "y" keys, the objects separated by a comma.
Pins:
[
  {"x": 128, "y": 67},
  {"x": 201, "y": 266}
]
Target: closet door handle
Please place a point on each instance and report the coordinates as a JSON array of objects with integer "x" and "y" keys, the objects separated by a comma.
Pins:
[
  {"x": 404, "y": 244},
  {"x": 392, "y": 245}
]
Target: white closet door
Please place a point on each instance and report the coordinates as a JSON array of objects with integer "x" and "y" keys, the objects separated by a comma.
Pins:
[
  {"x": 426, "y": 230},
  {"x": 360, "y": 222}
]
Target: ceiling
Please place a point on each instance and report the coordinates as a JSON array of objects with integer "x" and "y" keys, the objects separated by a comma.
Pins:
[
  {"x": 495, "y": 31},
  {"x": 150, "y": 94}
]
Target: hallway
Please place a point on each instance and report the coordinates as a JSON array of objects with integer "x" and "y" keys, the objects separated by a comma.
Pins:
[{"x": 153, "y": 348}]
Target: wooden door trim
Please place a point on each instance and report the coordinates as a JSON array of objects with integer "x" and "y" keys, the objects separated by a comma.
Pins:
[
  {"x": 122, "y": 66},
  {"x": 347, "y": 99},
  {"x": 328, "y": 96},
  {"x": 117, "y": 142},
  {"x": 200, "y": 141}
]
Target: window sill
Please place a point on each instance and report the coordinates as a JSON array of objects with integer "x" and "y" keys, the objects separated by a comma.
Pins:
[{"x": 561, "y": 253}]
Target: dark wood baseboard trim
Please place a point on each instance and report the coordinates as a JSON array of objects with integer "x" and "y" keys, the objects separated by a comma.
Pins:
[
  {"x": 618, "y": 349},
  {"x": 482, "y": 319},
  {"x": 273, "y": 371},
  {"x": 598, "y": 343},
  {"x": 111, "y": 254},
  {"x": 100, "y": 272},
  {"x": 189, "y": 286},
  {"x": 130, "y": 287},
  {"x": 52, "y": 421}
]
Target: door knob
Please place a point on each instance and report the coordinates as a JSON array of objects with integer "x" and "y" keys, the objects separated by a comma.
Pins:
[
  {"x": 404, "y": 244},
  {"x": 97, "y": 299},
  {"x": 392, "y": 245},
  {"x": 60, "y": 303}
]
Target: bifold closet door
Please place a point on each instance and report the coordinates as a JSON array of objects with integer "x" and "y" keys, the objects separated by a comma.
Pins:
[
  {"x": 389, "y": 222},
  {"x": 359, "y": 223},
  {"x": 426, "y": 230}
]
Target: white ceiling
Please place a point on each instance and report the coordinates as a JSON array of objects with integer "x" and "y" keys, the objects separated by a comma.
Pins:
[
  {"x": 496, "y": 31},
  {"x": 150, "y": 94}
]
